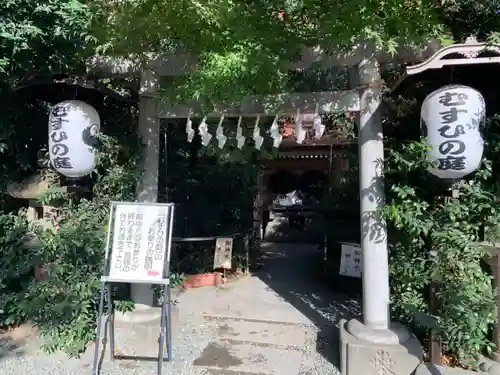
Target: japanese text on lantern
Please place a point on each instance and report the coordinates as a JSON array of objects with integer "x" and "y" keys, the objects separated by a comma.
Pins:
[
  {"x": 59, "y": 149},
  {"x": 452, "y": 149}
]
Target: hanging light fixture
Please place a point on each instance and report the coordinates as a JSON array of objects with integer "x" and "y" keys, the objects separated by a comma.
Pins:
[
  {"x": 452, "y": 118},
  {"x": 73, "y": 129}
]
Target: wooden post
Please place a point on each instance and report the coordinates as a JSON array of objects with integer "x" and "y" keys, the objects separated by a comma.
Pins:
[
  {"x": 435, "y": 344},
  {"x": 496, "y": 354},
  {"x": 434, "y": 348},
  {"x": 435, "y": 339},
  {"x": 257, "y": 224}
]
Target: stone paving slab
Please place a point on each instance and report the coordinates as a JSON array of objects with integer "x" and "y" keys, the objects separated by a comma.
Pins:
[
  {"x": 137, "y": 340},
  {"x": 246, "y": 298},
  {"x": 241, "y": 358},
  {"x": 261, "y": 332}
]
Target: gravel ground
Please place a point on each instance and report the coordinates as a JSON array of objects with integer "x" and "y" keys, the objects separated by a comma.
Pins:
[
  {"x": 191, "y": 339},
  {"x": 30, "y": 360},
  {"x": 323, "y": 307}
]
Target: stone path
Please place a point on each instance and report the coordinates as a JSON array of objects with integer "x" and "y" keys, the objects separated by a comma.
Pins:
[{"x": 280, "y": 321}]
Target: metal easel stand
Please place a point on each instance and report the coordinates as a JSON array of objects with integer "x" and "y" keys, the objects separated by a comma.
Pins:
[{"x": 165, "y": 328}]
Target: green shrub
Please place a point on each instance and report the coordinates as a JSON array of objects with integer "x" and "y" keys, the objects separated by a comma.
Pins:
[
  {"x": 64, "y": 304},
  {"x": 436, "y": 238},
  {"x": 17, "y": 265}
]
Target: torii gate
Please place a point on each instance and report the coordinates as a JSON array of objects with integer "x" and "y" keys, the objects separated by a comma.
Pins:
[{"x": 376, "y": 345}]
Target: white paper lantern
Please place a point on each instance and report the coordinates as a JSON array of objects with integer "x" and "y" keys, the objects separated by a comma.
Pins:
[
  {"x": 73, "y": 127},
  {"x": 452, "y": 119}
]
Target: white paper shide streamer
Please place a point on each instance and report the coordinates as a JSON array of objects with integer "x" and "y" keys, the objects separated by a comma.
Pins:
[
  {"x": 300, "y": 133},
  {"x": 219, "y": 133},
  {"x": 258, "y": 139},
  {"x": 189, "y": 128},
  {"x": 204, "y": 134},
  {"x": 319, "y": 128},
  {"x": 275, "y": 133},
  {"x": 240, "y": 139}
]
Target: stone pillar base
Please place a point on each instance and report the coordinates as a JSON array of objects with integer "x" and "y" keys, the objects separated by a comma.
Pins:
[
  {"x": 430, "y": 369},
  {"x": 490, "y": 366},
  {"x": 358, "y": 356},
  {"x": 140, "y": 315}
]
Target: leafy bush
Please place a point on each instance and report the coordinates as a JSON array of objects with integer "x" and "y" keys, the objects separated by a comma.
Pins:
[
  {"x": 436, "y": 238},
  {"x": 64, "y": 304},
  {"x": 17, "y": 263}
]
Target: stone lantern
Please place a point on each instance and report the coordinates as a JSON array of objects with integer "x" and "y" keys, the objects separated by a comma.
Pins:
[{"x": 31, "y": 189}]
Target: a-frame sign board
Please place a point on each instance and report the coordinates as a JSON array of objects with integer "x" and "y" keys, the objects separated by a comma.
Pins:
[{"x": 138, "y": 252}]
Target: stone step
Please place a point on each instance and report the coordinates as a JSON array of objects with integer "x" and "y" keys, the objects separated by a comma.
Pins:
[
  {"x": 257, "y": 347},
  {"x": 246, "y": 359},
  {"x": 264, "y": 333}
]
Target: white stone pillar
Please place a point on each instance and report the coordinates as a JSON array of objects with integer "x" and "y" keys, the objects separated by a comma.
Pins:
[
  {"x": 372, "y": 198},
  {"x": 376, "y": 346},
  {"x": 147, "y": 187}
]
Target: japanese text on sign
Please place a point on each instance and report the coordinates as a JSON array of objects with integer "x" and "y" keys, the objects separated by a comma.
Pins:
[
  {"x": 59, "y": 149},
  {"x": 223, "y": 253},
  {"x": 140, "y": 247},
  {"x": 351, "y": 261},
  {"x": 452, "y": 149}
]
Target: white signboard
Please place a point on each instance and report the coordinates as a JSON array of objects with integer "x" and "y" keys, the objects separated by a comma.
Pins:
[
  {"x": 223, "y": 253},
  {"x": 140, "y": 245},
  {"x": 351, "y": 260}
]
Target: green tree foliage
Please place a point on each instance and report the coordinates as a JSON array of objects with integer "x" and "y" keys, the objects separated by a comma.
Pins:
[
  {"x": 36, "y": 38},
  {"x": 41, "y": 36},
  {"x": 245, "y": 46}
]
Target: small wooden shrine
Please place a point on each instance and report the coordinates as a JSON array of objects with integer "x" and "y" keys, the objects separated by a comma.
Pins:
[{"x": 324, "y": 159}]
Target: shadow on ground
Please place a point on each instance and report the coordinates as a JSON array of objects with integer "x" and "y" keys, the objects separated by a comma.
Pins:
[
  {"x": 11, "y": 346},
  {"x": 294, "y": 271}
]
